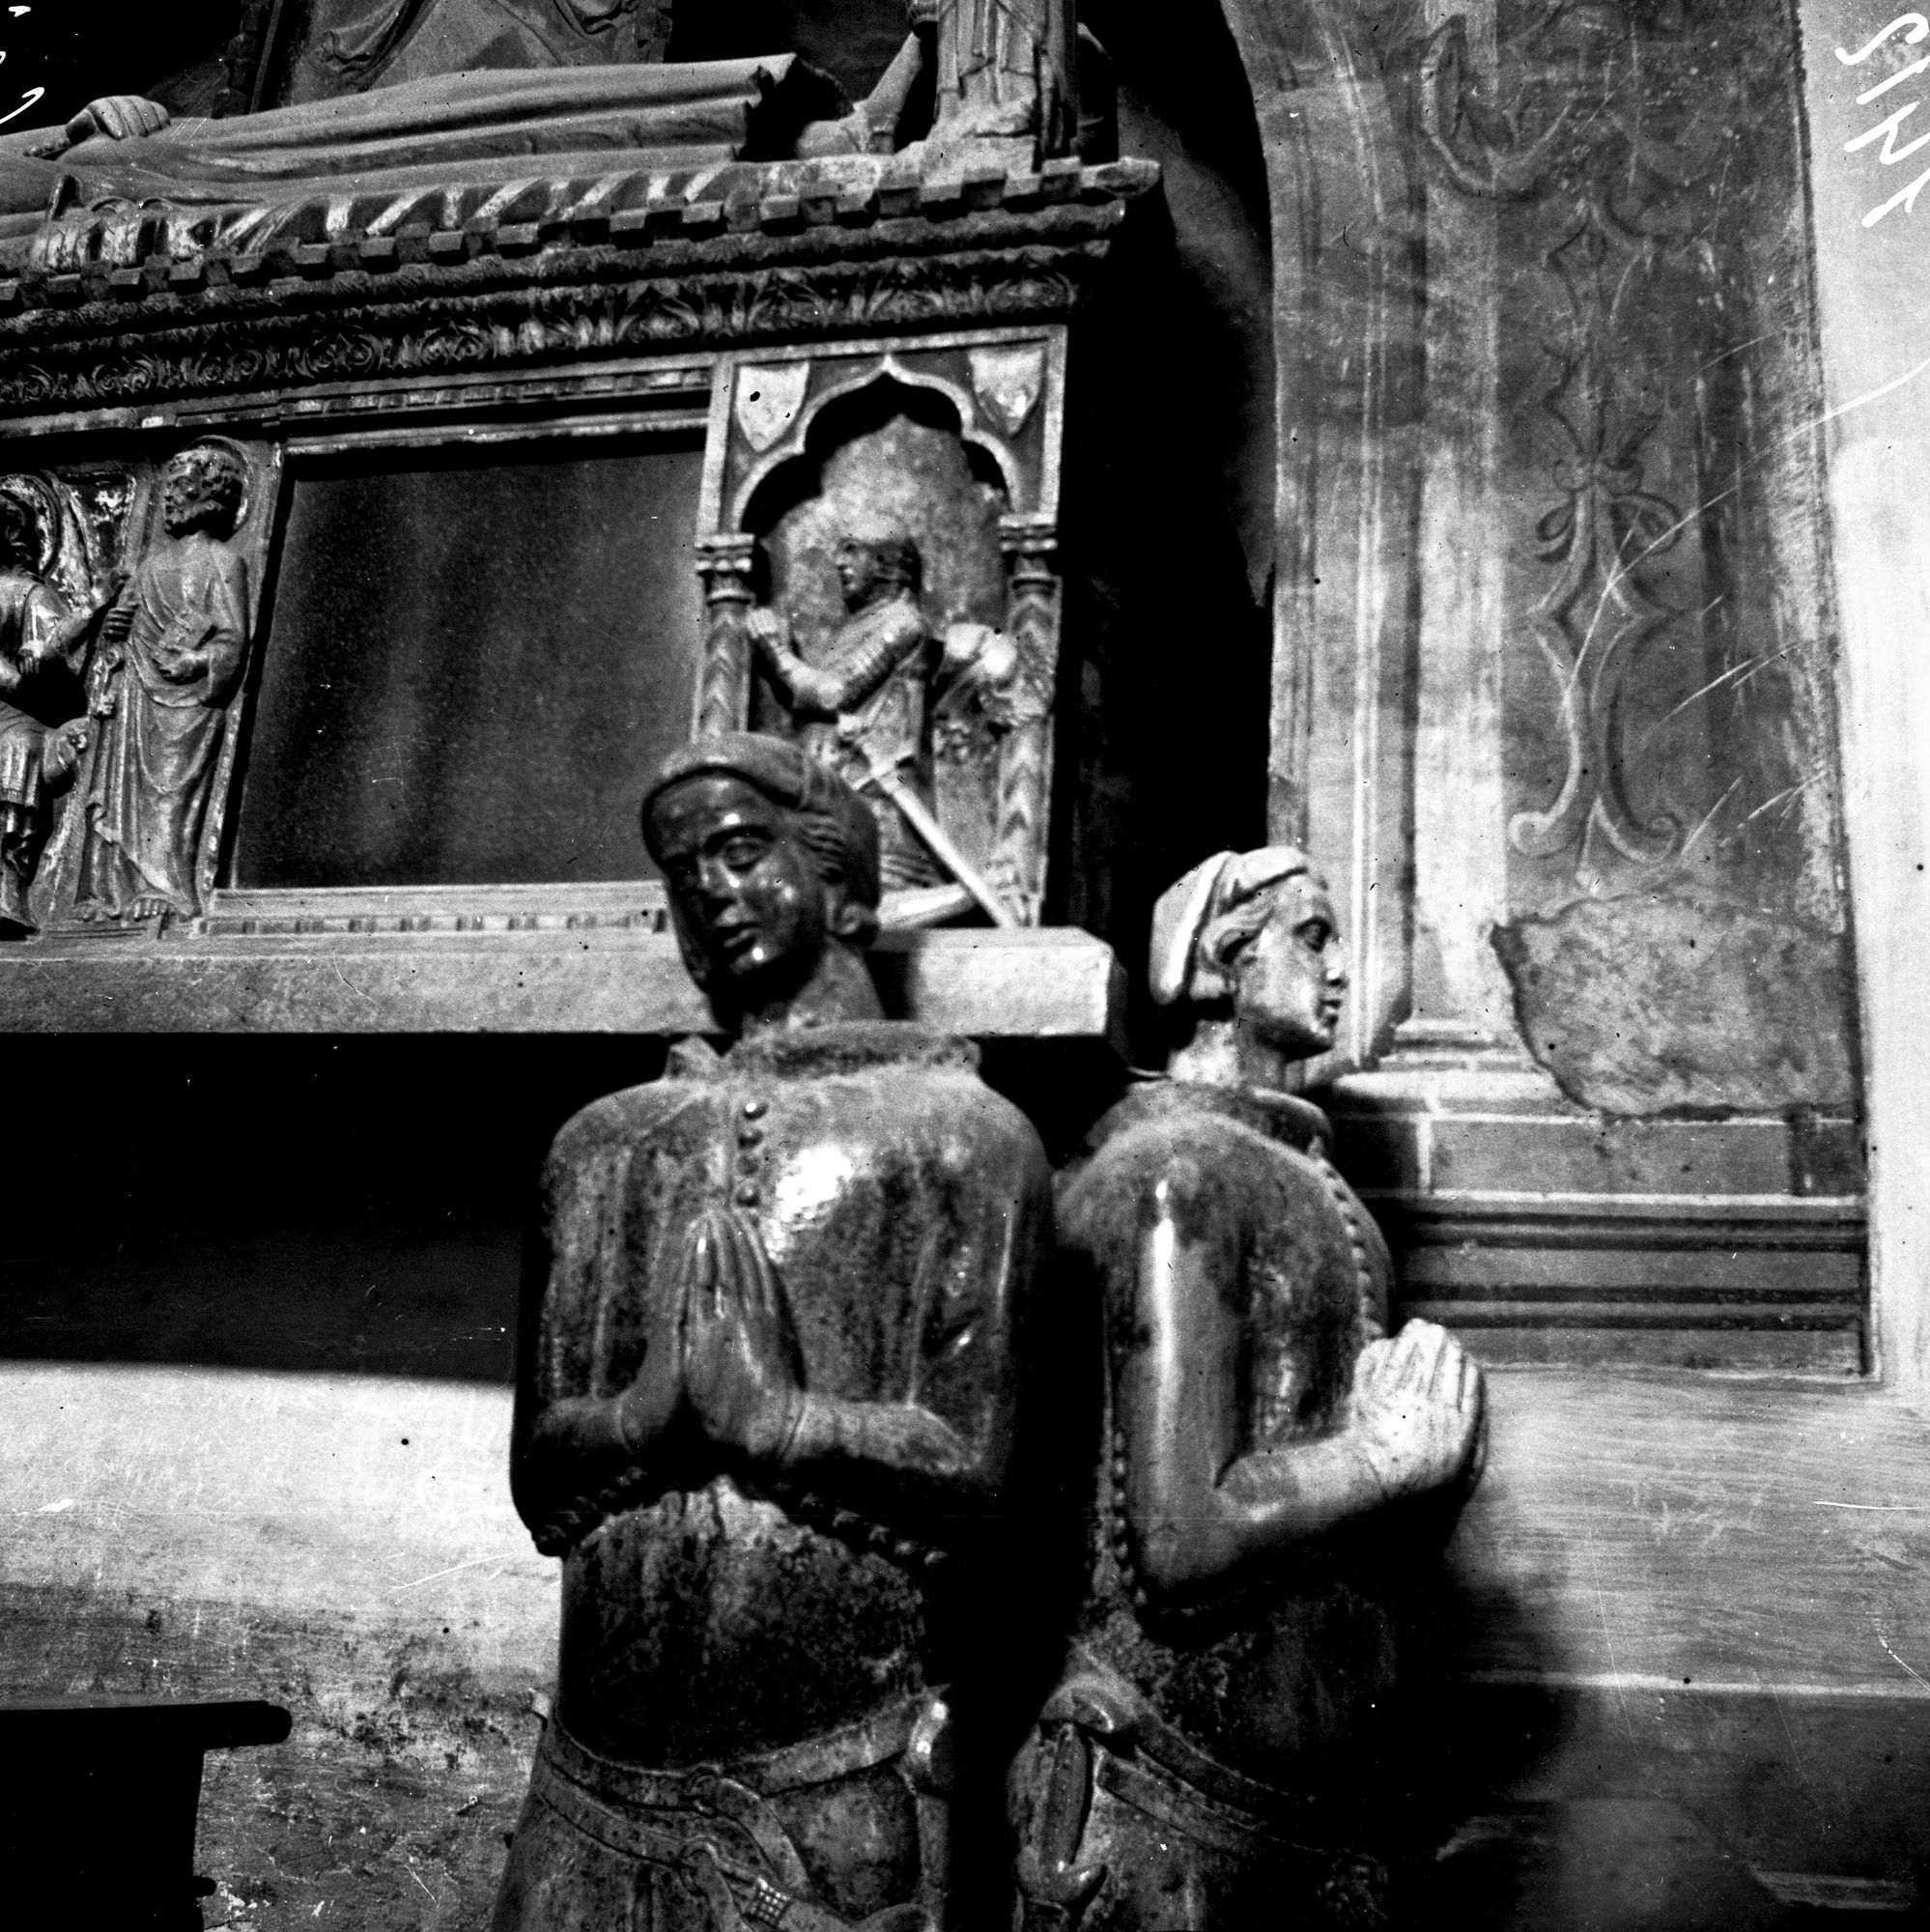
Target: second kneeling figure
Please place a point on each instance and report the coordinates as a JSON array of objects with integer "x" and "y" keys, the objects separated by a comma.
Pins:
[{"x": 1233, "y": 1646}]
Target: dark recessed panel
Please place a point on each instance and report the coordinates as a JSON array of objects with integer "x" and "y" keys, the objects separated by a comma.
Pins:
[{"x": 473, "y": 662}]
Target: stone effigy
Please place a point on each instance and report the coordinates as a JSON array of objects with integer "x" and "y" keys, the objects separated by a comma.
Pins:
[
  {"x": 767, "y": 1398},
  {"x": 351, "y": 44},
  {"x": 430, "y": 110},
  {"x": 431, "y": 137},
  {"x": 1227, "y": 1649}
]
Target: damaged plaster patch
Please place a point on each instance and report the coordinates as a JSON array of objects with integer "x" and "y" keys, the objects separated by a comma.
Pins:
[{"x": 1661, "y": 1002}]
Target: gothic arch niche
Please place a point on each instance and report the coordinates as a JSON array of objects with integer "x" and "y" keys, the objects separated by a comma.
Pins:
[
  {"x": 894, "y": 450},
  {"x": 955, "y": 442}
]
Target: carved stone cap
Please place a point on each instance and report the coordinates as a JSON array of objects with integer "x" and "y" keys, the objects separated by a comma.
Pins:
[
  {"x": 1280, "y": 1116},
  {"x": 845, "y": 1046}
]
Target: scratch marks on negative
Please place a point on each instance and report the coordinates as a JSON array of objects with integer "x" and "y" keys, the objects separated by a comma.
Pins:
[
  {"x": 473, "y": 1562},
  {"x": 1607, "y": 1629},
  {"x": 1709, "y": 819},
  {"x": 1735, "y": 349},
  {"x": 1791, "y": 793},
  {"x": 361, "y": 993},
  {"x": 1870, "y": 396},
  {"x": 1736, "y": 675},
  {"x": 1825, "y": 1503},
  {"x": 1795, "y": 1755},
  {"x": 1908, "y": 1669},
  {"x": 1625, "y": 566}
]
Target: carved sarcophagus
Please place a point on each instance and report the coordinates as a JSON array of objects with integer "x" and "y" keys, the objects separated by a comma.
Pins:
[{"x": 388, "y": 492}]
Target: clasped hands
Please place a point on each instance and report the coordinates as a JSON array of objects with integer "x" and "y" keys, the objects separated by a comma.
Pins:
[
  {"x": 728, "y": 1355},
  {"x": 1418, "y": 1413},
  {"x": 809, "y": 690}
]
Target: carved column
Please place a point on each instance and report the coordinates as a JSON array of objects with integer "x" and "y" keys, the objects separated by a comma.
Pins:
[
  {"x": 1461, "y": 855},
  {"x": 1031, "y": 546},
  {"x": 724, "y": 686}
]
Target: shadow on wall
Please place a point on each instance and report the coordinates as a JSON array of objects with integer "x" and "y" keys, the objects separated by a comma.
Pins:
[
  {"x": 288, "y": 1203},
  {"x": 323, "y": 1205},
  {"x": 1169, "y": 503}
]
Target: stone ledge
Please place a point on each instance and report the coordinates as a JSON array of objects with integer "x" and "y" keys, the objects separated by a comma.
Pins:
[
  {"x": 1055, "y": 983},
  {"x": 1547, "y": 1232}
]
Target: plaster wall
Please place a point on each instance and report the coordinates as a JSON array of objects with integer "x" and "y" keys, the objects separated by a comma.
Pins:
[
  {"x": 1657, "y": 1667},
  {"x": 1872, "y": 270},
  {"x": 341, "y": 1544}
]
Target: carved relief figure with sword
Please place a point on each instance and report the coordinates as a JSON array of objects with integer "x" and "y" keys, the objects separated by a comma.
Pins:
[{"x": 863, "y": 709}]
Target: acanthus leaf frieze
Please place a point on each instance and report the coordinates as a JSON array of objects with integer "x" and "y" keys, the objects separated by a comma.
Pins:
[{"x": 230, "y": 339}]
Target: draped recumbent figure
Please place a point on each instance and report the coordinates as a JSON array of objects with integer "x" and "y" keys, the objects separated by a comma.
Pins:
[
  {"x": 377, "y": 90},
  {"x": 766, "y": 1405},
  {"x": 173, "y": 649},
  {"x": 1262, "y": 1433}
]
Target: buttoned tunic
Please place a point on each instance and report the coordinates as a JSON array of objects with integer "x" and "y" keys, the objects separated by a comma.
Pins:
[{"x": 714, "y": 1612}]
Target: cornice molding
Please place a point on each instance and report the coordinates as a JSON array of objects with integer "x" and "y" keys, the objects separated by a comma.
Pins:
[{"x": 676, "y": 275}]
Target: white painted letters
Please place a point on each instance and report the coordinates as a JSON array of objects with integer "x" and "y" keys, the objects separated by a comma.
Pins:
[
  {"x": 1913, "y": 27},
  {"x": 1918, "y": 27},
  {"x": 1896, "y": 79},
  {"x": 1891, "y": 153}
]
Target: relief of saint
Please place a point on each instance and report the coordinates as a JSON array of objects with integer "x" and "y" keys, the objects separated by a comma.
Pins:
[
  {"x": 173, "y": 648},
  {"x": 41, "y": 638}
]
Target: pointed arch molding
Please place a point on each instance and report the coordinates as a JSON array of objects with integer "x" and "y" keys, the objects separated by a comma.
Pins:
[
  {"x": 779, "y": 405},
  {"x": 776, "y": 413}
]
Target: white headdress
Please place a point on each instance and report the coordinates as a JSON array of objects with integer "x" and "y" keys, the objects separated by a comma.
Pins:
[{"x": 1213, "y": 888}]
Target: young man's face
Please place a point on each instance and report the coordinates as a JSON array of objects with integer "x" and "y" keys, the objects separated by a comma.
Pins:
[
  {"x": 746, "y": 888},
  {"x": 1292, "y": 979},
  {"x": 859, "y": 574}
]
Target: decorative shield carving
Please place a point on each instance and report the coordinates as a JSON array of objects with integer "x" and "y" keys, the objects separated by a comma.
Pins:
[
  {"x": 1007, "y": 382},
  {"x": 768, "y": 400}
]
